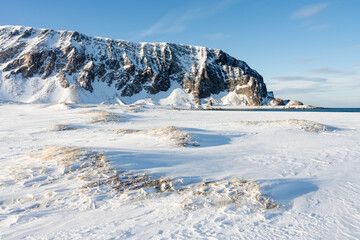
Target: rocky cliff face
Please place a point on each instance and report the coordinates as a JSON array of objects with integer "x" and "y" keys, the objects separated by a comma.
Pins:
[{"x": 51, "y": 59}]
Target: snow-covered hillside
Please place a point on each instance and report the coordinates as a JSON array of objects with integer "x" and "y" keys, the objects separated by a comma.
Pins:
[
  {"x": 43, "y": 65},
  {"x": 154, "y": 172}
]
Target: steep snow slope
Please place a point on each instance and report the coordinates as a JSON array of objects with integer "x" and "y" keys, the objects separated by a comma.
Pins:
[{"x": 43, "y": 65}]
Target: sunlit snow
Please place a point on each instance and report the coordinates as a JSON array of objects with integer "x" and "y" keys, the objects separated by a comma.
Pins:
[{"x": 157, "y": 172}]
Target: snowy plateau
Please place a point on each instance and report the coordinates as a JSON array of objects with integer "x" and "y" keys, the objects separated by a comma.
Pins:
[{"x": 156, "y": 160}]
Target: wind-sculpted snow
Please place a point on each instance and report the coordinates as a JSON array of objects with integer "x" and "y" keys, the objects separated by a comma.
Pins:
[
  {"x": 60, "y": 127},
  {"x": 307, "y": 126},
  {"x": 43, "y": 65},
  {"x": 172, "y": 135},
  {"x": 226, "y": 192},
  {"x": 127, "y": 180},
  {"x": 80, "y": 179},
  {"x": 102, "y": 116}
]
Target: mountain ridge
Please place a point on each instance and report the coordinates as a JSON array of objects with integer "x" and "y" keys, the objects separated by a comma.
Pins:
[{"x": 44, "y": 65}]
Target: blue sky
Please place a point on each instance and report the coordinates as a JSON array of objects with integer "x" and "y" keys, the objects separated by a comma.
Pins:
[{"x": 305, "y": 50}]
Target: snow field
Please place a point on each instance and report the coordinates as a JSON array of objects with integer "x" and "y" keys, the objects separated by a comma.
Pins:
[{"x": 75, "y": 184}]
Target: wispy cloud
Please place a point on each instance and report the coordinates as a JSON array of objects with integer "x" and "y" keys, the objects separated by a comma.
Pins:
[
  {"x": 306, "y": 16},
  {"x": 179, "y": 22},
  {"x": 355, "y": 47},
  {"x": 313, "y": 26},
  {"x": 298, "y": 87},
  {"x": 318, "y": 27},
  {"x": 301, "y": 90},
  {"x": 310, "y": 10},
  {"x": 217, "y": 36},
  {"x": 305, "y": 60},
  {"x": 318, "y": 93},
  {"x": 169, "y": 24},
  {"x": 299, "y": 78},
  {"x": 331, "y": 71},
  {"x": 154, "y": 28}
]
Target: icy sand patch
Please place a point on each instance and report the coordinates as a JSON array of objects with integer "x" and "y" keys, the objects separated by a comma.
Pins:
[
  {"x": 60, "y": 127},
  {"x": 307, "y": 126},
  {"x": 172, "y": 135},
  {"x": 102, "y": 116},
  {"x": 80, "y": 179},
  {"x": 242, "y": 193}
]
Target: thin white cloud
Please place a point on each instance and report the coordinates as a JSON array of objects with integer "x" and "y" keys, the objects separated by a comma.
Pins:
[
  {"x": 305, "y": 60},
  {"x": 179, "y": 22},
  {"x": 299, "y": 78},
  {"x": 319, "y": 93},
  {"x": 298, "y": 89},
  {"x": 313, "y": 26},
  {"x": 310, "y": 10},
  {"x": 170, "y": 23},
  {"x": 306, "y": 16},
  {"x": 318, "y": 27},
  {"x": 355, "y": 47},
  {"x": 167, "y": 24},
  {"x": 331, "y": 71},
  {"x": 217, "y": 36},
  {"x": 154, "y": 28}
]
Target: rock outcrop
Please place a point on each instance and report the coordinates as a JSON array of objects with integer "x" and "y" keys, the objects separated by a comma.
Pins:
[{"x": 128, "y": 68}]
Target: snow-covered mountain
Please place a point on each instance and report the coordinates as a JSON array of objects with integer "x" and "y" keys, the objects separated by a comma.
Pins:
[{"x": 43, "y": 65}]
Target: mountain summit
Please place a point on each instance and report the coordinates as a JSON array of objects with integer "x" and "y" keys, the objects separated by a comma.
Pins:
[{"x": 43, "y": 65}]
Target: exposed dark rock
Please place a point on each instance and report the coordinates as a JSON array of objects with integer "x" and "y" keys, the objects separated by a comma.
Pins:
[
  {"x": 11, "y": 52},
  {"x": 87, "y": 76},
  {"x": 62, "y": 79},
  {"x": 277, "y": 102},
  {"x": 293, "y": 103}
]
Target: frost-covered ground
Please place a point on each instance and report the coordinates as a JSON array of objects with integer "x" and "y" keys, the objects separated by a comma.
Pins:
[{"x": 121, "y": 172}]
